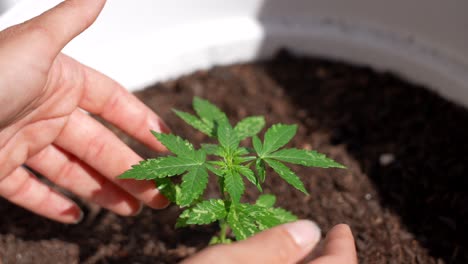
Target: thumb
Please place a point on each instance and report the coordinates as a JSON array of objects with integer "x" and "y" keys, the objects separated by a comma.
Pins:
[
  {"x": 288, "y": 243},
  {"x": 48, "y": 33},
  {"x": 338, "y": 247}
]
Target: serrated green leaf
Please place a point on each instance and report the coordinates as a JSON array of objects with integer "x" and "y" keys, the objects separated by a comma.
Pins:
[
  {"x": 205, "y": 212},
  {"x": 227, "y": 137},
  {"x": 262, "y": 216},
  {"x": 239, "y": 160},
  {"x": 249, "y": 174},
  {"x": 260, "y": 169},
  {"x": 193, "y": 185},
  {"x": 304, "y": 157},
  {"x": 249, "y": 126},
  {"x": 266, "y": 200},
  {"x": 288, "y": 175},
  {"x": 246, "y": 220},
  {"x": 257, "y": 144},
  {"x": 181, "y": 222},
  {"x": 199, "y": 156},
  {"x": 268, "y": 217},
  {"x": 169, "y": 166},
  {"x": 141, "y": 171},
  {"x": 168, "y": 189},
  {"x": 214, "y": 241},
  {"x": 219, "y": 163},
  {"x": 242, "y": 151},
  {"x": 234, "y": 185},
  {"x": 242, "y": 225},
  {"x": 175, "y": 144},
  {"x": 211, "y": 167},
  {"x": 283, "y": 216},
  {"x": 212, "y": 149},
  {"x": 208, "y": 112},
  {"x": 277, "y": 136},
  {"x": 195, "y": 122},
  {"x": 159, "y": 168}
]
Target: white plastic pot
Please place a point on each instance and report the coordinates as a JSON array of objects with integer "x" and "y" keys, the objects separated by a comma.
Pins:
[{"x": 140, "y": 42}]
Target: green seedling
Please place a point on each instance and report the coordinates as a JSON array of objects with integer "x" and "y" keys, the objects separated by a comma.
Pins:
[{"x": 231, "y": 163}]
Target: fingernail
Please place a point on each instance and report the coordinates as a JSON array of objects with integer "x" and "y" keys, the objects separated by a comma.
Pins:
[
  {"x": 158, "y": 125},
  {"x": 80, "y": 218},
  {"x": 305, "y": 233},
  {"x": 140, "y": 209}
]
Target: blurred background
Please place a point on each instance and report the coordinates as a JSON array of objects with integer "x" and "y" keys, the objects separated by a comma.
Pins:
[
  {"x": 6, "y": 4},
  {"x": 420, "y": 40}
]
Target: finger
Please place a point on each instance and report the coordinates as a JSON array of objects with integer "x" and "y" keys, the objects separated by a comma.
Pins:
[
  {"x": 49, "y": 32},
  {"x": 68, "y": 172},
  {"x": 25, "y": 190},
  {"x": 98, "y": 147},
  {"x": 339, "y": 247},
  {"x": 284, "y": 244},
  {"x": 105, "y": 97}
]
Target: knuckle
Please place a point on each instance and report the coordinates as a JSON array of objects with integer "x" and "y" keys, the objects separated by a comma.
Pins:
[
  {"x": 43, "y": 201},
  {"x": 20, "y": 188},
  {"x": 65, "y": 172},
  {"x": 95, "y": 148},
  {"x": 112, "y": 103},
  {"x": 40, "y": 33}
]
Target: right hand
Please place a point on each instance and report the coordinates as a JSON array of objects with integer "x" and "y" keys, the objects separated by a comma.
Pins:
[{"x": 288, "y": 243}]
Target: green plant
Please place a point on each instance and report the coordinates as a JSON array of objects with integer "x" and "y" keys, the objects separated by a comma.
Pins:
[{"x": 230, "y": 163}]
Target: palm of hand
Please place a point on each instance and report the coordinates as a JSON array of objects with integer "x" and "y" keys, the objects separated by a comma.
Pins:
[{"x": 42, "y": 117}]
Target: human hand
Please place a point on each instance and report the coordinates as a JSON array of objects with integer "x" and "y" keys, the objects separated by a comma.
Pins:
[
  {"x": 288, "y": 243},
  {"x": 42, "y": 125}
]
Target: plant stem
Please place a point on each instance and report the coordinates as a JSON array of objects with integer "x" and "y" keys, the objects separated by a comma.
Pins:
[
  {"x": 222, "y": 223},
  {"x": 222, "y": 236}
]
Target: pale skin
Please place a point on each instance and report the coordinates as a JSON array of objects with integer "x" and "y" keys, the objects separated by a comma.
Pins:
[{"x": 42, "y": 125}]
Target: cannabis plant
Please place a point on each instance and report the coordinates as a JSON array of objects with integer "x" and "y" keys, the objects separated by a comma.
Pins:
[{"x": 231, "y": 163}]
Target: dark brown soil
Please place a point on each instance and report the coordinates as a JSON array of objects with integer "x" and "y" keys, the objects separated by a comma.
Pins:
[{"x": 404, "y": 193}]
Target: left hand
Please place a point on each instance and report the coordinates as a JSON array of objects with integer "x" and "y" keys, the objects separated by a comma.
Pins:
[{"x": 42, "y": 124}]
